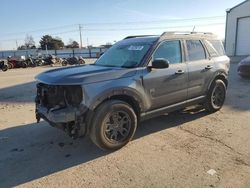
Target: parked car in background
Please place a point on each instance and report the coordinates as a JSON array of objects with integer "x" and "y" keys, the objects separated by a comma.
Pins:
[
  {"x": 138, "y": 78},
  {"x": 244, "y": 68}
]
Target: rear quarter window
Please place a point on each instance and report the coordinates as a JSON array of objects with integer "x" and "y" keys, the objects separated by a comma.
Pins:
[{"x": 215, "y": 48}]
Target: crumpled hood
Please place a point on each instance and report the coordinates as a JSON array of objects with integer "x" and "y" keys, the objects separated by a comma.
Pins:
[{"x": 77, "y": 75}]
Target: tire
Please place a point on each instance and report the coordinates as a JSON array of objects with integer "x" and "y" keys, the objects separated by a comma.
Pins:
[
  {"x": 5, "y": 68},
  {"x": 64, "y": 63},
  {"x": 24, "y": 65},
  {"x": 82, "y": 62},
  {"x": 39, "y": 63},
  {"x": 10, "y": 66},
  {"x": 114, "y": 125},
  {"x": 216, "y": 96}
]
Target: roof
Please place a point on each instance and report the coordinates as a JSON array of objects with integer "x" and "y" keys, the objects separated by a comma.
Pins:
[{"x": 228, "y": 10}]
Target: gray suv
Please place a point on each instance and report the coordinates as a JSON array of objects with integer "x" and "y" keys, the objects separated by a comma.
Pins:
[{"x": 138, "y": 78}]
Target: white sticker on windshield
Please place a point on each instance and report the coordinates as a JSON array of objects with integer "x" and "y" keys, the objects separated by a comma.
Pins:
[{"x": 136, "y": 48}]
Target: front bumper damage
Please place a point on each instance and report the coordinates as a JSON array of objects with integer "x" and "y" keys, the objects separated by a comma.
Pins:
[
  {"x": 63, "y": 115},
  {"x": 61, "y": 109}
]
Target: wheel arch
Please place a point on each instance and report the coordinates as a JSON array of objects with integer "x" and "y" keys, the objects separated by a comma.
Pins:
[
  {"x": 128, "y": 95},
  {"x": 221, "y": 76}
]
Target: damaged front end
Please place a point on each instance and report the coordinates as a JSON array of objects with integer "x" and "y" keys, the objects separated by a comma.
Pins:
[{"x": 62, "y": 107}]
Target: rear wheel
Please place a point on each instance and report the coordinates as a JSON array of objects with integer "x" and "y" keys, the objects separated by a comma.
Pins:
[
  {"x": 216, "y": 96},
  {"x": 113, "y": 125}
]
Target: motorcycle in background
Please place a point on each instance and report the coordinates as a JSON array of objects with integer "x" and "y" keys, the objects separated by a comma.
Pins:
[
  {"x": 16, "y": 63},
  {"x": 73, "y": 61}
]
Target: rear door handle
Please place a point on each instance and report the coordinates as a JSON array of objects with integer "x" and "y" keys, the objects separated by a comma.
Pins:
[
  {"x": 180, "y": 72},
  {"x": 208, "y": 67}
]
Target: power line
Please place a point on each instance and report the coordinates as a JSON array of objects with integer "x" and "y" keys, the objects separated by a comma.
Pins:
[
  {"x": 149, "y": 28},
  {"x": 122, "y": 29},
  {"x": 119, "y": 29},
  {"x": 117, "y": 23},
  {"x": 38, "y": 36},
  {"x": 155, "y": 21},
  {"x": 38, "y": 30}
]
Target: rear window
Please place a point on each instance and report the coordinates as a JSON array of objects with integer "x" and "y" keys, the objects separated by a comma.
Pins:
[{"x": 215, "y": 48}]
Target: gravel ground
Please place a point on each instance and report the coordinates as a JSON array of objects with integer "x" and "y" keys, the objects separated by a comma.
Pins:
[{"x": 186, "y": 149}]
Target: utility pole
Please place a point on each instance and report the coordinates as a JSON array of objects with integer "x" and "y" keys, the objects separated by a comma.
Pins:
[
  {"x": 80, "y": 30},
  {"x": 46, "y": 46},
  {"x": 193, "y": 28},
  {"x": 16, "y": 45}
]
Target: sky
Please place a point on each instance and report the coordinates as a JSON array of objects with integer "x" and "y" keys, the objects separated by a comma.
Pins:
[{"x": 105, "y": 21}]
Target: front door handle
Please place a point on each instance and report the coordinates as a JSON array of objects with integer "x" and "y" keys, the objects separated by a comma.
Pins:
[
  {"x": 208, "y": 67},
  {"x": 180, "y": 72}
]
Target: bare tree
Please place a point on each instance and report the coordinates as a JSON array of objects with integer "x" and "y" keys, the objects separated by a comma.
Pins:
[
  {"x": 72, "y": 44},
  {"x": 29, "y": 42}
]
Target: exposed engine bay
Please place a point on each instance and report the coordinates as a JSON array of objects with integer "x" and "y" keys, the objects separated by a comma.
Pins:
[{"x": 52, "y": 96}]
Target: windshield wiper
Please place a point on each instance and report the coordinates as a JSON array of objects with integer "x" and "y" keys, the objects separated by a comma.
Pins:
[
  {"x": 106, "y": 65},
  {"x": 125, "y": 66}
]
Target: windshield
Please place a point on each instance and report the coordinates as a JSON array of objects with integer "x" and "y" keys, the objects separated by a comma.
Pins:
[{"x": 124, "y": 55}]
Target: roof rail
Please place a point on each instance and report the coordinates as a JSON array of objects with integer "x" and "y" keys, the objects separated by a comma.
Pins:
[
  {"x": 171, "y": 33},
  {"x": 185, "y": 33},
  {"x": 137, "y": 36}
]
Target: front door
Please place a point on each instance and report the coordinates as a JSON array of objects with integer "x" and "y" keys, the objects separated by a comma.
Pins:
[{"x": 167, "y": 86}]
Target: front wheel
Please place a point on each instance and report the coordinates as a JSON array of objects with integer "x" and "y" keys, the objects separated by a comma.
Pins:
[
  {"x": 113, "y": 125},
  {"x": 5, "y": 68},
  {"x": 216, "y": 96}
]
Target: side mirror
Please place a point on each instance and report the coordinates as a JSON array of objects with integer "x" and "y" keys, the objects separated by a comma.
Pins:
[{"x": 160, "y": 63}]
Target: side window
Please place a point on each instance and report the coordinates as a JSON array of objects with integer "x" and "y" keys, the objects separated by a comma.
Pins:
[
  {"x": 195, "y": 50},
  {"x": 170, "y": 50},
  {"x": 218, "y": 47},
  {"x": 211, "y": 50}
]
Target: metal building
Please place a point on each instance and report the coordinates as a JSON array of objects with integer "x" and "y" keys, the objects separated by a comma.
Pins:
[{"x": 237, "y": 37}]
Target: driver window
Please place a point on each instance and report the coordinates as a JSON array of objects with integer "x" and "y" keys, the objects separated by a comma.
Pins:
[{"x": 169, "y": 50}]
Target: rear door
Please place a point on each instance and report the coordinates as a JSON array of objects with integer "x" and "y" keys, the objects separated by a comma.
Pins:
[
  {"x": 200, "y": 67},
  {"x": 167, "y": 86}
]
